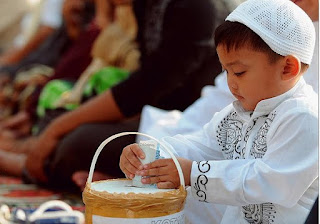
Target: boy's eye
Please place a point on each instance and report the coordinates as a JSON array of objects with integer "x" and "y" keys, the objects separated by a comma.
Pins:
[{"x": 239, "y": 73}]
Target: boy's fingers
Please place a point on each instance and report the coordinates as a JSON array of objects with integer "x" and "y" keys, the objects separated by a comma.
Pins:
[
  {"x": 130, "y": 154},
  {"x": 160, "y": 179},
  {"x": 158, "y": 171},
  {"x": 128, "y": 165},
  {"x": 132, "y": 161},
  {"x": 128, "y": 173},
  {"x": 137, "y": 150},
  {"x": 166, "y": 185},
  {"x": 154, "y": 180},
  {"x": 157, "y": 163}
]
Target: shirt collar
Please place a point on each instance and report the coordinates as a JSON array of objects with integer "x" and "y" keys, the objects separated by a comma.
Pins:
[{"x": 264, "y": 107}]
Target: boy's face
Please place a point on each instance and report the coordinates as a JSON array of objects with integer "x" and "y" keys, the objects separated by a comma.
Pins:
[{"x": 251, "y": 76}]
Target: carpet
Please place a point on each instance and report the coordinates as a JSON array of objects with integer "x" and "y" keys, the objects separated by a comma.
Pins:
[{"x": 15, "y": 194}]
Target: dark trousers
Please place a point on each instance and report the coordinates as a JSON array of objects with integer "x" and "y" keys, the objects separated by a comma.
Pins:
[{"x": 76, "y": 150}]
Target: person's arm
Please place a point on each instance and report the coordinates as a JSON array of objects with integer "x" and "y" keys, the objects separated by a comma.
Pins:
[
  {"x": 16, "y": 55},
  {"x": 101, "y": 108},
  {"x": 287, "y": 169},
  {"x": 188, "y": 148},
  {"x": 281, "y": 176}
]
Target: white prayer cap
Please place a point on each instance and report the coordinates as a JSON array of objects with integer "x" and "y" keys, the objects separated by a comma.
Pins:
[{"x": 283, "y": 25}]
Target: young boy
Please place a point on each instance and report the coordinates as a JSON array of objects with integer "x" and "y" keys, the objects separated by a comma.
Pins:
[{"x": 258, "y": 155}]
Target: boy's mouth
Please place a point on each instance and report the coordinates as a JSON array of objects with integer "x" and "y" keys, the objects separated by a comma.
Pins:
[{"x": 237, "y": 96}]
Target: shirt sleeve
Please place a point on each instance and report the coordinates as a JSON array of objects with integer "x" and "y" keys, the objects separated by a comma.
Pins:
[
  {"x": 198, "y": 146},
  {"x": 185, "y": 44},
  {"x": 290, "y": 160}
]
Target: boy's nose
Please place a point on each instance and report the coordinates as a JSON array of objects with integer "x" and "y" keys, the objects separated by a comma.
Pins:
[{"x": 232, "y": 84}]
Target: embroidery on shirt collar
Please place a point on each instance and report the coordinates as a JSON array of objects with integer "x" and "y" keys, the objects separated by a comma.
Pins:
[
  {"x": 245, "y": 139},
  {"x": 229, "y": 135},
  {"x": 259, "y": 146}
]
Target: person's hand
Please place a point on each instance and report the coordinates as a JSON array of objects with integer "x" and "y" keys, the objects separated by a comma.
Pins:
[
  {"x": 164, "y": 173},
  {"x": 4, "y": 79},
  {"x": 40, "y": 148},
  {"x": 129, "y": 160}
]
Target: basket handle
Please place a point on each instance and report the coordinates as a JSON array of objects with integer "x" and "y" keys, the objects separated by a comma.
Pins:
[
  {"x": 41, "y": 213},
  {"x": 106, "y": 141}
]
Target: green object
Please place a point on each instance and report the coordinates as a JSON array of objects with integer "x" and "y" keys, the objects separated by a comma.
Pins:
[
  {"x": 104, "y": 79},
  {"x": 52, "y": 92},
  {"x": 98, "y": 83}
]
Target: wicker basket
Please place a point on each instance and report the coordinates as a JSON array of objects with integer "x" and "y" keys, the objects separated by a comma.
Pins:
[{"x": 108, "y": 202}]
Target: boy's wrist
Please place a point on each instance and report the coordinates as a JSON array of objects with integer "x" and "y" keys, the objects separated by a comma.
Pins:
[
  {"x": 186, "y": 166},
  {"x": 188, "y": 178}
]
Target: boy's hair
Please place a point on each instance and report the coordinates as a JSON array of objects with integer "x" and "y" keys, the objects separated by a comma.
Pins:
[
  {"x": 235, "y": 35},
  {"x": 281, "y": 24}
]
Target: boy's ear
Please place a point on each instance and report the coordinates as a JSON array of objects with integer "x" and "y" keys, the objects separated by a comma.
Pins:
[{"x": 292, "y": 67}]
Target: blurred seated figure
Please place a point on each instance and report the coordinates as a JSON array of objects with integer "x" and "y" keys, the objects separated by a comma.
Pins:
[
  {"x": 115, "y": 47},
  {"x": 42, "y": 63},
  {"x": 115, "y": 55},
  {"x": 49, "y": 19}
]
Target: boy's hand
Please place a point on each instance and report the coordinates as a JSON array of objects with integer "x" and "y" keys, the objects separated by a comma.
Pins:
[
  {"x": 129, "y": 162},
  {"x": 164, "y": 173}
]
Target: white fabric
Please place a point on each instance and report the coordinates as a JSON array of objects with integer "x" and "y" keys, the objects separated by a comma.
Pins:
[
  {"x": 264, "y": 164},
  {"x": 29, "y": 24},
  {"x": 197, "y": 212},
  {"x": 51, "y": 14},
  {"x": 46, "y": 12},
  {"x": 160, "y": 123},
  {"x": 283, "y": 25}
]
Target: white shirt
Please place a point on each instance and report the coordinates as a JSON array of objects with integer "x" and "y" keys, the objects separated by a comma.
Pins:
[
  {"x": 51, "y": 14},
  {"x": 264, "y": 164},
  {"x": 160, "y": 123}
]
